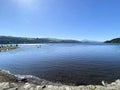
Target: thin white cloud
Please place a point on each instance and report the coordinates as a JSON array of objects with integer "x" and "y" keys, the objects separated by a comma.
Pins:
[{"x": 26, "y": 3}]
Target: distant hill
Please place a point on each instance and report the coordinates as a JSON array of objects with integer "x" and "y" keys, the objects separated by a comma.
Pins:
[
  {"x": 116, "y": 40},
  {"x": 24, "y": 40}
]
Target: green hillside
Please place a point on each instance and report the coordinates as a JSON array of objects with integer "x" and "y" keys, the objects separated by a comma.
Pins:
[
  {"x": 24, "y": 40},
  {"x": 116, "y": 40}
]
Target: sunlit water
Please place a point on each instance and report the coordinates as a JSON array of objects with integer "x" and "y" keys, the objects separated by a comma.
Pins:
[{"x": 66, "y": 63}]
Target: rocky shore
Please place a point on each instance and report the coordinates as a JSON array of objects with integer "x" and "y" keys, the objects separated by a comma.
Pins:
[{"x": 9, "y": 81}]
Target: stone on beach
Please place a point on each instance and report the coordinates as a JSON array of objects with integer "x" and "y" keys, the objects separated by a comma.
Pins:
[{"x": 11, "y": 82}]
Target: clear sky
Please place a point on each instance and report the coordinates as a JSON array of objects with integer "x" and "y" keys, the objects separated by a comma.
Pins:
[{"x": 71, "y": 19}]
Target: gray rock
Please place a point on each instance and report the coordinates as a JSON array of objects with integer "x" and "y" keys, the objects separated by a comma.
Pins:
[{"x": 11, "y": 82}]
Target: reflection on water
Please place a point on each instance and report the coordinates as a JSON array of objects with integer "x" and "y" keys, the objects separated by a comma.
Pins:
[{"x": 67, "y": 63}]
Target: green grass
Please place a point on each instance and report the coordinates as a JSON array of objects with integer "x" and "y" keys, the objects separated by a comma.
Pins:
[{"x": 7, "y": 48}]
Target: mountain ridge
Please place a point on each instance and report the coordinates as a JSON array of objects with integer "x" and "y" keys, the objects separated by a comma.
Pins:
[
  {"x": 26, "y": 40},
  {"x": 115, "y": 40}
]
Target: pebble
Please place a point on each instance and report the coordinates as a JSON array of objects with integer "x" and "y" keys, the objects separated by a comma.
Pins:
[{"x": 28, "y": 86}]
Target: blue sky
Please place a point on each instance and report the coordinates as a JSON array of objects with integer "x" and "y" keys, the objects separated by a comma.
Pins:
[{"x": 70, "y": 19}]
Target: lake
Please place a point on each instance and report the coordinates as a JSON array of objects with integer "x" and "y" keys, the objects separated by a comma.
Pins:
[{"x": 77, "y": 64}]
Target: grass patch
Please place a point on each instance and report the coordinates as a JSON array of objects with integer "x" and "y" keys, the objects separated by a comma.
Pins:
[{"x": 3, "y": 48}]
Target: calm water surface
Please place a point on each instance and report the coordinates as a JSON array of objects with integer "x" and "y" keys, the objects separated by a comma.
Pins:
[{"x": 66, "y": 63}]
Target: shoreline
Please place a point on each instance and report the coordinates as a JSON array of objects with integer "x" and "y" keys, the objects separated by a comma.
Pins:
[
  {"x": 27, "y": 82},
  {"x": 6, "y": 48}
]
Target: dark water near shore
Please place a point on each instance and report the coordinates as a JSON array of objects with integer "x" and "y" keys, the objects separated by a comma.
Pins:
[{"x": 66, "y": 63}]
